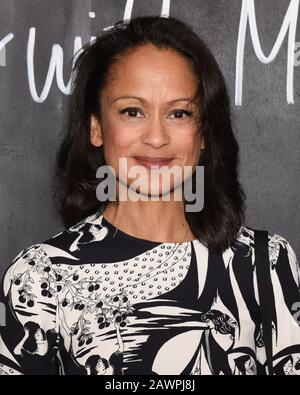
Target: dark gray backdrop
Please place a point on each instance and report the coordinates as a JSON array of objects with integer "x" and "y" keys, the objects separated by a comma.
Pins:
[{"x": 267, "y": 127}]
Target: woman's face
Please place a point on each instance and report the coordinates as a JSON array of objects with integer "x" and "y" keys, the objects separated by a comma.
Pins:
[
  {"x": 153, "y": 122},
  {"x": 101, "y": 370},
  {"x": 39, "y": 336}
]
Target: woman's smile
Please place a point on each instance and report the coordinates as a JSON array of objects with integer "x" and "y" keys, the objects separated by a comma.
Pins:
[{"x": 153, "y": 162}]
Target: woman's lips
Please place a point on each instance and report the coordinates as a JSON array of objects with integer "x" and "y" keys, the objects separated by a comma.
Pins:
[{"x": 152, "y": 162}]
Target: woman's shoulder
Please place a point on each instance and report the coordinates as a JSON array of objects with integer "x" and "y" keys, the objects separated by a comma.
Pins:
[
  {"x": 78, "y": 237},
  {"x": 30, "y": 263},
  {"x": 279, "y": 247},
  {"x": 40, "y": 253}
]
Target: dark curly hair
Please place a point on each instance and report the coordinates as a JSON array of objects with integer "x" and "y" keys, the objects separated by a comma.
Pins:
[
  {"x": 218, "y": 224},
  {"x": 92, "y": 362},
  {"x": 30, "y": 344}
]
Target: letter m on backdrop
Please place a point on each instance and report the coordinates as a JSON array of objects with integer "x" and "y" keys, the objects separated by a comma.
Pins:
[{"x": 289, "y": 25}]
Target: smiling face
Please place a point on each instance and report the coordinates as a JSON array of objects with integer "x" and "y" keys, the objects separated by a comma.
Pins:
[{"x": 157, "y": 118}]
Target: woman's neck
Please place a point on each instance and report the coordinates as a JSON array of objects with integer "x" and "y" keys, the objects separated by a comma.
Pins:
[{"x": 150, "y": 220}]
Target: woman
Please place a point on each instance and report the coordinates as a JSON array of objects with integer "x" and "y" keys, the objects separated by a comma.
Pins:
[
  {"x": 34, "y": 341},
  {"x": 151, "y": 287}
]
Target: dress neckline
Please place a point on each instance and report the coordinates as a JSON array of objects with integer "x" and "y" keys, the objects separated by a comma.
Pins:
[{"x": 119, "y": 233}]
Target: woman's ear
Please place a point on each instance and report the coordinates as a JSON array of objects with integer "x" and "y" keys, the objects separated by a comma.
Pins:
[
  {"x": 95, "y": 131},
  {"x": 202, "y": 143}
]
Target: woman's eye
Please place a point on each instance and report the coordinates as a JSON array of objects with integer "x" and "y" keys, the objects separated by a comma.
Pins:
[
  {"x": 180, "y": 114},
  {"x": 132, "y": 111}
]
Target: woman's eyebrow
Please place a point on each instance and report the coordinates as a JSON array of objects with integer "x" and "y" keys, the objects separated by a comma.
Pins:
[{"x": 188, "y": 99}]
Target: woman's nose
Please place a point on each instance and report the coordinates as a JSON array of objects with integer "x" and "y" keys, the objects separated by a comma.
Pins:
[{"x": 155, "y": 132}]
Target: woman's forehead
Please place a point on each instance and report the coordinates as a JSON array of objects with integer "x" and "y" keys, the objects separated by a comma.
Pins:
[{"x": 160, "y": 75}]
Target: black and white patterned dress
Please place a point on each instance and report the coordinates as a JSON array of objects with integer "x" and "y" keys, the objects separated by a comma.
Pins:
[{"x": 91, "y": 301}]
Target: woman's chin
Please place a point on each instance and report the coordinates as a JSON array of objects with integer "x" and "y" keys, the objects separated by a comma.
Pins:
[{"x": 151, "y": 192}]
